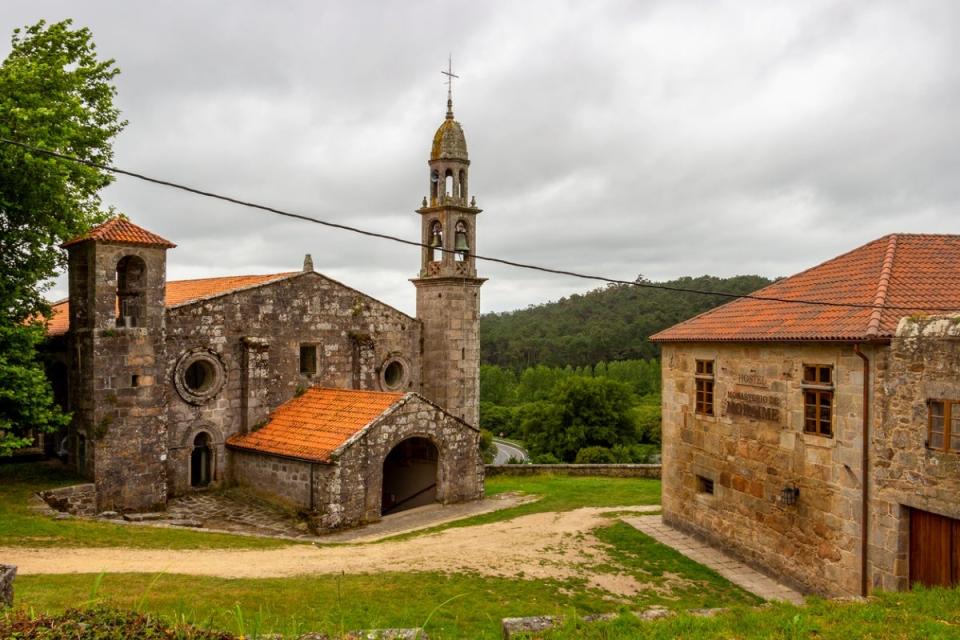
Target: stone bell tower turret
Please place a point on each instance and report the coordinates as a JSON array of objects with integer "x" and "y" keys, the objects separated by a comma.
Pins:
[
  {"x": 448, "y": 289},
  {"x": 117, "y": 275}
]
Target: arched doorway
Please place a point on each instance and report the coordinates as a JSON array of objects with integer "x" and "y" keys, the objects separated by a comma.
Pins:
[
  {"x": 409, "y": 476},
  {"x": 200, "y": 459}
]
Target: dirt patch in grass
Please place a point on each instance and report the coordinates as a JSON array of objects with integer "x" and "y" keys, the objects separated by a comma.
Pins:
[{"x": 553, "y": 546}]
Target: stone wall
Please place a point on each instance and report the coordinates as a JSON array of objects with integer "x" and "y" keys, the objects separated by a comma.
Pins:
[
  {"x": 253, "y": 338},
  {"x": 604, "y": 470},
  {"x": 814, "y": 544},
  {"x": 923, "y": 365},
  {"x": 286, "y": 479},
  {"x": 350, "y": 492},
  {"x": 79, "y": 499},
  {"x": 7, "y": 574},
  {"x": 450, "y": 311},
  {"x": 116, "y": 391}
]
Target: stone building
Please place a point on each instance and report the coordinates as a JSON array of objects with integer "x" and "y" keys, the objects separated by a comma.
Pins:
[
  {"x": 176, "y": 386},
  {"x": 821, "y": 442}
]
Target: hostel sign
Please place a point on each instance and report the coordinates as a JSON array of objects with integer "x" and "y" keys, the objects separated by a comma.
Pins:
[{"x": 759, "y": 406}]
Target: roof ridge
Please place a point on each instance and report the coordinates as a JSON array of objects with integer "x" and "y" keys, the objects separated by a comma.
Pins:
[
  {"x": 239, "y": 275},
  {"x": 776, "y": 284},
  {"x": 883, "y": 286}
]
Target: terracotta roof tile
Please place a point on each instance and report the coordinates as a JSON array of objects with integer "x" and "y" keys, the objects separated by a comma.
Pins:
[
  {"x": 917, "y": 273},
  {"x": 120, "y": 229},
  {"x": 178, "y": 292},
  {"x": 313, "y": 425}
]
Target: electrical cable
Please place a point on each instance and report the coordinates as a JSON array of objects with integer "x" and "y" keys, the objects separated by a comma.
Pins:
[{"x": 511, "y": 263}]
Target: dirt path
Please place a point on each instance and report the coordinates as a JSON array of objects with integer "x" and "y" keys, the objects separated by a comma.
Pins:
[{"x": 541, "y": 545}]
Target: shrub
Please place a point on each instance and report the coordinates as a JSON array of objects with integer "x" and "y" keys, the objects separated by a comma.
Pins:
[
  {"x": 546, "y": 458},
  {"x": 595, "y": 455},
  {"x": 488, "y": 450},
  {"x": 634, "y": 453},
  {"x": 102, "y": 623}
]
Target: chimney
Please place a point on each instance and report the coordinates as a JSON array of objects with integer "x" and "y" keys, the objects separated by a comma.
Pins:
[{"x": 307, "y": 263}]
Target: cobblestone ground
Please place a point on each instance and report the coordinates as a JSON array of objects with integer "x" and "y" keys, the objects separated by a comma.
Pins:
[
  {"x": 240, "y": 512},
  {"x": 724, "y": 564}
]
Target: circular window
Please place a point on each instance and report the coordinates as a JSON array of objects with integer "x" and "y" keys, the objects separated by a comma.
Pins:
[
  {"x": 199, "y": 376},
  {"x": 393, "y": 375}
]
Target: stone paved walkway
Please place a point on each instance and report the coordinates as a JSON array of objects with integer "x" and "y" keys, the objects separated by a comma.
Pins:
[
  {"x": 237, "y": 512},
  {"x": 727, "y": 566}
]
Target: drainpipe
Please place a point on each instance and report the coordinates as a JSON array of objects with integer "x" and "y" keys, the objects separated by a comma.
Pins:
[{"x": 865, "y": 478}]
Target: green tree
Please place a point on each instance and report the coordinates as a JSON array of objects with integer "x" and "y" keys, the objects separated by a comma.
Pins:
[
  {"x": 497, "y": 385},
  {"x": 55, "y": 94},
  {"x": 583, "y": 412}
]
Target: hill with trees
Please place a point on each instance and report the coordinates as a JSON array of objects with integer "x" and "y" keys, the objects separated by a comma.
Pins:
[
  {"x": 603, "y": 325},
  {"x": 578, "y": 380}
]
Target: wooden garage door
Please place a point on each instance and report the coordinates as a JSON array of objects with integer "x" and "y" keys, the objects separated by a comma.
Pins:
[{"x": 934, "y": 549}]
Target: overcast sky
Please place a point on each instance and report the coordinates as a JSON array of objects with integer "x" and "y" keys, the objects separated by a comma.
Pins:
[{"x": 622, "y": 138}]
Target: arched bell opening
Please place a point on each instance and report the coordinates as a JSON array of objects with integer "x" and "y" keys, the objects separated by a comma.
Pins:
[
  {"x": 461, "y": 244},
  {"x": 410, "y": 476},
  {"x": 434, "y": 186},
  {"x": 449, "y": 184},
  {"x": 462, "y": 191},
  {"x": 131, "y": 288},
  {"x": 200, "y": 461},
  {"x": 436, "y": 241}
]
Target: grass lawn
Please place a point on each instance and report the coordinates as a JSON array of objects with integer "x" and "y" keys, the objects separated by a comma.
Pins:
[
  {"x": 558, "y": 493},
  {"x": 20, "y": 527},
  {"x": 449, "y": 605},
  {"x": 919, "y": 614}
]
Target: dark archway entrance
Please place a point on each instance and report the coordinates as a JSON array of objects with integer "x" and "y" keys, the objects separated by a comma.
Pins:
[
  {"x": 409, "y": 476},
  {"x": 200, "y": 459}
]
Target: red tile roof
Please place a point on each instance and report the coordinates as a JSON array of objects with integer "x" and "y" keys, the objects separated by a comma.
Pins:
[
  {"x": 178, "y": 292},
  {"x": 120, "y": 229},
  {"x": 313, "y": 425},
  {"x": 914, "y": 273}
]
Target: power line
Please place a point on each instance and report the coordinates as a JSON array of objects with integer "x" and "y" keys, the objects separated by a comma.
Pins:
[{"x": 511, "y": 263}]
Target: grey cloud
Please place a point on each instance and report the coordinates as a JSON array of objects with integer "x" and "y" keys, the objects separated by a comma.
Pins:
[{"x": 663, "y": 138}]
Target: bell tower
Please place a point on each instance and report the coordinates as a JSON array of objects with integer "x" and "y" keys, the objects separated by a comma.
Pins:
[
  {"x": 448, "y": 289},
  {"x": 117, "y": 275}
]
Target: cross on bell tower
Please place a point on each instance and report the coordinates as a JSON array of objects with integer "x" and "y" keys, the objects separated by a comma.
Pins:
[{"x": 448, "y": 289}]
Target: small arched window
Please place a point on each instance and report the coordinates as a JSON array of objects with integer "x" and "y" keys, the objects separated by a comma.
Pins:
[
  {"x": 131, "y": 291},
  {"x": 463, "y": 185},
  {"x": 436, "y": 241},
  {"x": 449, "y": 183},
  {"x": 200, "y": 461}
]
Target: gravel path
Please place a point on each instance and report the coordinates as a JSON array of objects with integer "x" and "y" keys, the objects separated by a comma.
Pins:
[{"x": 536, "y": 546}]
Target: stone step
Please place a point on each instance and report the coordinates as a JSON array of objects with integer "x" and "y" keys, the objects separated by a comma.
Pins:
[{"x": 144, "y": 517}]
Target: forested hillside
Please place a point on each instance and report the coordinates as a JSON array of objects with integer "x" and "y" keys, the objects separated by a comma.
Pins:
[{"x": 604, "y": 325}]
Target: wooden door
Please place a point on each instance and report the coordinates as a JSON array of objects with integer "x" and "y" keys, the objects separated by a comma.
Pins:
[{"x": 934, "y": 549}]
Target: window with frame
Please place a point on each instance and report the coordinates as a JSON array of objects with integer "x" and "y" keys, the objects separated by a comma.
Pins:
[
  {"x": 704, "y": 379},
  {"x": 943, "y": 425},
  {"x": 818, "y": 399},
  {"x": 308, "y": 359}
]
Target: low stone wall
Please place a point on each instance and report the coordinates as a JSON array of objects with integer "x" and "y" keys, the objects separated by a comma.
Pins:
[
  {"x": 80, "y": 499},
  {"x": 606, "y": 470},
  {"x": 7, "y": 573}
]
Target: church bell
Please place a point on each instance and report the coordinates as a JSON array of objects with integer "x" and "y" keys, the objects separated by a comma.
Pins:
[{"x": 460, "y": 241}]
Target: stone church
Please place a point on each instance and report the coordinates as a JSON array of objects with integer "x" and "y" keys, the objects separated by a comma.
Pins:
[{"x": 292, "y": 383}]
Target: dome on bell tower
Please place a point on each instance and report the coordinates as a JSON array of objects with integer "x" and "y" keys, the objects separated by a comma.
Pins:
[{"x": 448, "y": 141}]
